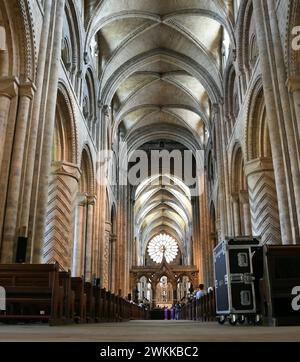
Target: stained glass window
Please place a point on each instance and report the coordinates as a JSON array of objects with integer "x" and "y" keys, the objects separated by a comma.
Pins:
[{"x": 163, "y": 245}]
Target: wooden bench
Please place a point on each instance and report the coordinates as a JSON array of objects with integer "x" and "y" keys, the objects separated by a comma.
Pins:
[
  {"x": 98, "y": 303},
  {"x": 203, "y": 309},
  {"x": 90, "y": 302},
  {"x": 33, "y": 293},
  {"x": 77, "y": 285},
  {"x": 68, "y": 296}
]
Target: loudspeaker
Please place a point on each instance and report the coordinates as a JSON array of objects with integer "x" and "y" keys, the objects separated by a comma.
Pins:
[{"x": 21, "y": 250}]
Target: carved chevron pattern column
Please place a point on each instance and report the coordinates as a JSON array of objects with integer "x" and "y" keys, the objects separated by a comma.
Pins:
[
  {"x": 60, "y": 214},
  {"x": 263, "y": 201}
]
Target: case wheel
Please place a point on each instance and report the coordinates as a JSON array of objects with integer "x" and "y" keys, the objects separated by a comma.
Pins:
[
  {"x": 258, "y": 320},
  {"x": 241, "y": 319},
  {"x": 233, "y": 320},
  {"x": 221, "y": 319}
]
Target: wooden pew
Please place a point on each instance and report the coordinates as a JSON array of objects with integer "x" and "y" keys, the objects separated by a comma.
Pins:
[
  {"x": 90, "y": 302},
  {"x": 68, "y": 297},
  {"x": 104, "y": 309},
  {"x": 203, "y": 310},
  {"x": 33, "y": 293},
  {"x": 98, "y": 303},
  {"x": 77, "y": 285}
]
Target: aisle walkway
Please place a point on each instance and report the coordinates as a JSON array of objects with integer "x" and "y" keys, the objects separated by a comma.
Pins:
[{"x": 148, "y": 331}]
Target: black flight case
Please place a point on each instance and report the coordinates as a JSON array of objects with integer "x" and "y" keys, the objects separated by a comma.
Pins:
[{"x": 238, "y": 267}]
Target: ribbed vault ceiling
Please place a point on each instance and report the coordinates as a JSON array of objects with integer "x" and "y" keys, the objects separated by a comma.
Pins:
[{"x": 161, "y": 71}]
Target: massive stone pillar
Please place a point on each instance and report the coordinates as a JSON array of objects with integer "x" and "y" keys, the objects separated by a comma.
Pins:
[
  {"x": 58, "y": 242},
  {"x": 289, "y": 131},
  {"x": 10, "y": 231},
  {"x": 47, "y": 136},
  {"x": 8, "y": 110},
  {"x": 276, "y": 123},
  {"x": 294, "y": 89},
  {"x": 35, "y": 118},
  {"x": 263, "y": 200},
  {"x": 102, "y": 194},
  {"x": 221, "y": 172},
  {"x": 8, "y": 90}
]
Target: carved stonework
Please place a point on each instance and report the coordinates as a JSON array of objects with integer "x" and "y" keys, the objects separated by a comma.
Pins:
[
  {"x": 66, "y": 169},
  {"x": 9, "y": 87},
  {"x": 58, "y": 241},
  {"x": 29, "y": 42},
  {"x": 263, "y": 201}
]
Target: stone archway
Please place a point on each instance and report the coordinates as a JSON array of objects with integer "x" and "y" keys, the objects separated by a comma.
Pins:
[{"x": 240, "y": 195}]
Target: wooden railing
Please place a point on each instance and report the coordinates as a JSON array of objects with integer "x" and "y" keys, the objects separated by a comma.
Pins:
[
  {"x": 203, "y": 309},
  {"x": 43, "y": 293}
]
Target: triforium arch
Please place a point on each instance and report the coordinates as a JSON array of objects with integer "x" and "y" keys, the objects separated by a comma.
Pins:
[{"x": 72, "y": 46}]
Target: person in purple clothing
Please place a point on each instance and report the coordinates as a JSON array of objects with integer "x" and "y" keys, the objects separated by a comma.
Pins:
[
  {"x": 172, "y": 313},
  {"x": 165, "y": 313}
]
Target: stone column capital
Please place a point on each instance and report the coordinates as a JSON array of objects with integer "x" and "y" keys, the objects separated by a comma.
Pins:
[
  {"x": 113, "y": 238},
  {"x": 293, "y": 84},
  {"x": 235, "y": 197},
  {"x": 216, "y": 109},
  {"x": 91, "y": 199},
  {"x": 108, "y": 227},
  {"x": 9, "y": 87},
  {"x": 27, "y": 90},
  {"x": 66, "y": 169},
  {"x": 258, "y": 165},
  {"x": 244, "y": 197},
  {"x": 81, "y": 198}
]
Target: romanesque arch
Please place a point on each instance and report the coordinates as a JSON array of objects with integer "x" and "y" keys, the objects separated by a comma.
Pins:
[
  {"x": 240, "y": 194},
  {"x": 232, "y": 103},
  {"x": 72, "y": 45},
  {"x": 89, "y": 104}
]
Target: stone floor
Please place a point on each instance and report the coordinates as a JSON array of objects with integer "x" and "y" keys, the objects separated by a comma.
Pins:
[{"x": 148, "y": 331}]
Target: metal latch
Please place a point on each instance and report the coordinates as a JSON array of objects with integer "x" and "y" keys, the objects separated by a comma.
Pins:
[
  {"x": 237, "y": 278},
  {"x": 242, "y": 278},
  {"x": 248, "y": 278}
]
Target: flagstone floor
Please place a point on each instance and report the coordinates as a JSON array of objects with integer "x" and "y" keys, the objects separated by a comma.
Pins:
[{"x": 148, "y": 331}]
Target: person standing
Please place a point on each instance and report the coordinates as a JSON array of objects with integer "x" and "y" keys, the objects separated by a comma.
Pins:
[
  {"x": 177, "y": 311},
  {"x": 201, "y": 292}
]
